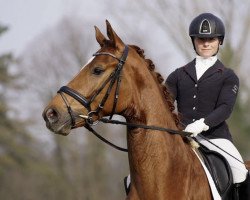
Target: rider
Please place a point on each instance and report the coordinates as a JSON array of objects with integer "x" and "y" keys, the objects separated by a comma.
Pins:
[{"x": 205, "y": 92}]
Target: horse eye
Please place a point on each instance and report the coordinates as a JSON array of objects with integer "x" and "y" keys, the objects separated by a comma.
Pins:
[{"x": 97, "y": 70}]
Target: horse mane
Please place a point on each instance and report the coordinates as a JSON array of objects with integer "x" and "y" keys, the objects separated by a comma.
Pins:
[{"x": 158, "y": 77}]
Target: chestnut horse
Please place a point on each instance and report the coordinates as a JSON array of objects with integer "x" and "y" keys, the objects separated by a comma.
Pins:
[{"x": 162, "y": 165}]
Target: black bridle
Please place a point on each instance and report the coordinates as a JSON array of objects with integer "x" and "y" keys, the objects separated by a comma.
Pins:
[{"x": 115, "y": 77}]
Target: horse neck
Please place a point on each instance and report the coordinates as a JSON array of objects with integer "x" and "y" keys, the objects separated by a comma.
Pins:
[
  {"x": 149, "y": 149},
  {"x": 148, "y": 104},
  {"x": 151, "y": 109}
]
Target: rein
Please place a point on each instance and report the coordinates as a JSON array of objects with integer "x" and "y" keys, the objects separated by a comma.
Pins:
[
  {"x": 171, "y": 131},
  {"x": 117, "y": 122}
]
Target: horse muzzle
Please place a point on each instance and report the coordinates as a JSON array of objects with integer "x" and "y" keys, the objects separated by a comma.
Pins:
[{"x": 55, "y": 122}]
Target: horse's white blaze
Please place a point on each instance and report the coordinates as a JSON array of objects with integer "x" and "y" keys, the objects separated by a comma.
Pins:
[
  {"x": 88, "y": 62},
  {"x": 85, "y": 66}
]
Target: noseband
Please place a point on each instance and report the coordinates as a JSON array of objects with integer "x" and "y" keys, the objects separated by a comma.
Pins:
[{"x": 115, "y": 77}]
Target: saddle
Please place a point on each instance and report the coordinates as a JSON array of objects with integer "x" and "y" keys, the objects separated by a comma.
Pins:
[{"x": 220, "y": 171}]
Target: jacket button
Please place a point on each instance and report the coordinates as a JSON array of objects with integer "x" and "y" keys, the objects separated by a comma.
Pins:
[
  {"x": 195, "y": 85},
  {"x": 193, "y": 120},
  {"x": 194, "y": 96},
  {"x": 194, "y": 108}
]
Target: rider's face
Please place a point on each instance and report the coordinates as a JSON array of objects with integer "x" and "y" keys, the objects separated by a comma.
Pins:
[{"x": 206, "y": 47}]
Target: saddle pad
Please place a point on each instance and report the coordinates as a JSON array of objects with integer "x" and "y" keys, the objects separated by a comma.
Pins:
[{"x": 215, "y": 193}]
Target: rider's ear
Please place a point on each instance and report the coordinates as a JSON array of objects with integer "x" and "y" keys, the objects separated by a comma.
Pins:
[
  {"x": 114, "y": 37},
  {"x": 100, "y": 37}
]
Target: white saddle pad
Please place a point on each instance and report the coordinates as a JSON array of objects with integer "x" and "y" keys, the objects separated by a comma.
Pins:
[{"x": 213, "y": 188}]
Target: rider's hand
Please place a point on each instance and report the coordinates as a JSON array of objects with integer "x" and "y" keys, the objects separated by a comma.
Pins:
[{"x": 196, "y": 127}]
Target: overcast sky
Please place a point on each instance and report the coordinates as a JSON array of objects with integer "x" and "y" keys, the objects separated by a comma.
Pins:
[
  {"x": 25, "y": 19},
  {"x": 28, "y": 18}
]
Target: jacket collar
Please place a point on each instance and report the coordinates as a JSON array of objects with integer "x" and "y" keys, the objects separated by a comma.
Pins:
[{"x": 190, "y": 70}]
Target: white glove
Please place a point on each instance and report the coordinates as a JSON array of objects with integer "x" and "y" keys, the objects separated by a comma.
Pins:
[{"x": 196, "y": 127}]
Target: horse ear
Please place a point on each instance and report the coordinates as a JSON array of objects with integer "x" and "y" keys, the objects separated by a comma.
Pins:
[
  {"x": 100, "y": 38},
  {"x": 113, "y": 36}
]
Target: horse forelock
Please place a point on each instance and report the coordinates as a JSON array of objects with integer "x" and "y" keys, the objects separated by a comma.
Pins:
[{"x": 158, "y": 77}]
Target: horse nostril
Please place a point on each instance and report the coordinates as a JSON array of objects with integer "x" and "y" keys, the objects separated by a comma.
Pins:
[{"x": 52, "y": 115}]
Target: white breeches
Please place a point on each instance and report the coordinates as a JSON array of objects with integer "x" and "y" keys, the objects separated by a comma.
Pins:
[{"x": 239, "y": 170}]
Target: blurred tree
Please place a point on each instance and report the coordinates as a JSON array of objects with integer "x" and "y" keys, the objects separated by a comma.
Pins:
[
  {"x": 13, "y": 137},
  {"x": 23, "y": 169},
  {"x": 14, "y": 141}
]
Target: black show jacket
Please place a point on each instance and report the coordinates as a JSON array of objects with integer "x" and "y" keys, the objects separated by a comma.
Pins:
[{"x": 211, "y": 97}]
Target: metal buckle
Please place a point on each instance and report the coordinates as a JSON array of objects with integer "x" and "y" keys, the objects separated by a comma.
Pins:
[{"x": 89, "y": 118}]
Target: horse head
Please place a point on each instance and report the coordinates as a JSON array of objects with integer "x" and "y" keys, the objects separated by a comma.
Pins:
[{"x": 94, "y": 91}]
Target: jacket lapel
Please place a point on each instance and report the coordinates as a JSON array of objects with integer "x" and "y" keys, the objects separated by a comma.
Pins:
[
  {"x": 217, "y": 67},
  {"x": 190, "y": 70}
]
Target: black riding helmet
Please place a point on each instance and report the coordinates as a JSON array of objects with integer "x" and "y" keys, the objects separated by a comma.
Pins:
[{"x": 207, "y": 25}]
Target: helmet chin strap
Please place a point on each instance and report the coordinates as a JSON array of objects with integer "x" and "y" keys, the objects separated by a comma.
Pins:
[{"x": 217, "y": 50}]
